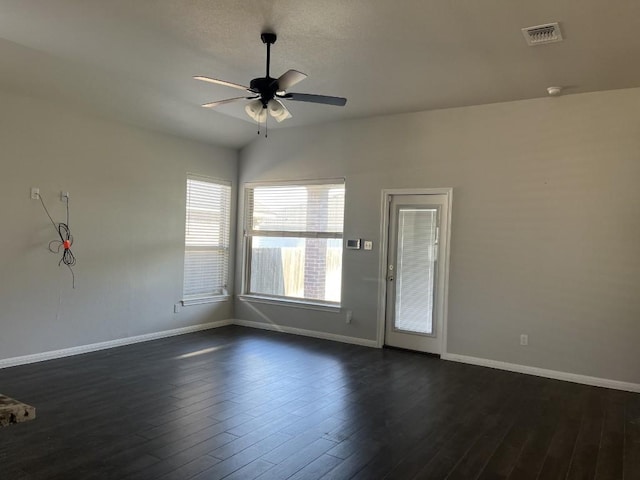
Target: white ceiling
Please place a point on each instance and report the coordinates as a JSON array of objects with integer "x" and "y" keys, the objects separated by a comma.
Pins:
[{"x": 134, "y": 59}]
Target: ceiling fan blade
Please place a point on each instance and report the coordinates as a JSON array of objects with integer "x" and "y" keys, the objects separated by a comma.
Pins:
[
  {"x": 221, "y": 82},
  {"x": 228, "y": 100},
  {"x": 308, "y": 97},
  {"x": 289, "y": 78}
]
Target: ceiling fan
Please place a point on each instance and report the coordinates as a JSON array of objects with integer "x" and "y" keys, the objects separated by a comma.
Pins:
[{"x": 266, "y": 93}]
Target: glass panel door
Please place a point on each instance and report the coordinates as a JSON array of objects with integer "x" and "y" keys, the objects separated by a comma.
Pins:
[{"x": 415, "y": 274}]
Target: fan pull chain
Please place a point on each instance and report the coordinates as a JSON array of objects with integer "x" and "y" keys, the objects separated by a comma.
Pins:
[{"x": 266, "y": 126}]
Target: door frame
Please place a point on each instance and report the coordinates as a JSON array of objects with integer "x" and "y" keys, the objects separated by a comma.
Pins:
[{"x": 387, "y": 193}]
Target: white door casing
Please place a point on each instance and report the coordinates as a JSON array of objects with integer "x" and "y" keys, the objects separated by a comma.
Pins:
[{"x": 414, "y": 267}]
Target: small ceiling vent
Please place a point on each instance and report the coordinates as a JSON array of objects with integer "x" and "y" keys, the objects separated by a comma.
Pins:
[{"x": 541, "y": 34}]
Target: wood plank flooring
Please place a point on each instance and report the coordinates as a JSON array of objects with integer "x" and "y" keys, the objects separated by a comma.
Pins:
[{"x": 237, "y": 403}]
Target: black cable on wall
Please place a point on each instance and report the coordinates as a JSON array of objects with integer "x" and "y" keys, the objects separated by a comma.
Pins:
[{"x": 65, "y": 242}]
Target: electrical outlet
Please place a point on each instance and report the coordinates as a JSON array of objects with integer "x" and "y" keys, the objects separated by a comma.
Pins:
[
  {"x": 524, "y": 340},
  {"x": 35, "y": 193},
  {"x": 64, "y": 196},
  {"x": 348, "y": 316},
  {"x": 177, "y": 307}
]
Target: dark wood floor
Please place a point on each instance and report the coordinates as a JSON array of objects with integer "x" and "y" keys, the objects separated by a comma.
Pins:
[{"x": 238, "y": 403}]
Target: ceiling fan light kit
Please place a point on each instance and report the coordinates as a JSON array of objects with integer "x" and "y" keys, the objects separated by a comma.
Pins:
[
  {"x": 266, "y": 93},
  {"x": 256, "y": 111},
  {"x": 277, "y": 110}
]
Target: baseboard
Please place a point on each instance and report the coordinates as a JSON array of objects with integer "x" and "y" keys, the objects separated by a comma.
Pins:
[
  {"x": 483, "y": 362},
  {"x": 307, "y": 333},
  {"x": 543, "y": 372},
  {"x": 67, "y": 352}
]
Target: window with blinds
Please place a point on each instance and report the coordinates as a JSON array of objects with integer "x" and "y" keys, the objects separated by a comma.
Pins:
[
  {"x": 206, "y": 252},
  {"x": 294, "y": 241}
]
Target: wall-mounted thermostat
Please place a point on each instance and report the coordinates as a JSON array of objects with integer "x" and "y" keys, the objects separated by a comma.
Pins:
[{"x": 354, "y": 244}]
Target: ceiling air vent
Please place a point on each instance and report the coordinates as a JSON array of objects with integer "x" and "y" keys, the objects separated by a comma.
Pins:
[{"x": 538, "y": 35}]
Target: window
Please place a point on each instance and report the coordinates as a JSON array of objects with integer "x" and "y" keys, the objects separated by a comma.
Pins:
[
  {"x": 206, "y": 249},
  {"x": 294, "y": 241}
]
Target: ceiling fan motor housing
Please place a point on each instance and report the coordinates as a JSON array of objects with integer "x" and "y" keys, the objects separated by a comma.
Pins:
[{"x": 266, "y": 87}]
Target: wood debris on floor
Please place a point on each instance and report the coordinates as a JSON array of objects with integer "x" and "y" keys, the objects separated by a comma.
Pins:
[{"x": 13, "y": 411}]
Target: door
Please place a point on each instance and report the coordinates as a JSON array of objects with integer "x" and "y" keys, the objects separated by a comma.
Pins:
[{"x": 414, "y": 317}]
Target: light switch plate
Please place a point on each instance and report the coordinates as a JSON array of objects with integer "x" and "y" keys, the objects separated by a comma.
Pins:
[
  {"x": 368, "y": 245},
  {"x": 354, "y": 244}
]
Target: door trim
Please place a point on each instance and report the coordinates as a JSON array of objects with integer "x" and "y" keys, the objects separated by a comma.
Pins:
[{"x": 384, "y": 246}]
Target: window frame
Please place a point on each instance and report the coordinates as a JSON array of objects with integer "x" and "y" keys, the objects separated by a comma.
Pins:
[
  {"x": 247, "y": 295},
  {"x": 223, "y": 295}
]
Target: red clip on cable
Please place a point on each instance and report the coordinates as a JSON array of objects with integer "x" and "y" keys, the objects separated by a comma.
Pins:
[{"x": 66, "y": 244}]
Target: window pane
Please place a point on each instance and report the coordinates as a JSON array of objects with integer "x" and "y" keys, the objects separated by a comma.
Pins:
[
  {"x": 297, "y": 208},
  {"x": 415, "y": 269},
  {"x": 295, "y": 240},
  {"x": 206, "y": 261},
  {"x": 304, "y": 268},
  {"x": 204, "y": 271}
]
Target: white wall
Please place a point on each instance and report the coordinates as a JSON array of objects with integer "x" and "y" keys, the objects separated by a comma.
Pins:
[
  {"x": 127, "y": 189},
  {"x": 546, "y": 223}
]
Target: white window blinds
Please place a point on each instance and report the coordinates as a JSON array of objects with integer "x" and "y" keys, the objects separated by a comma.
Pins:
[
  {"x": 312, "y": 210},
  {"x": 206, "y": 256},
  {"x": 416, "y": 269}
]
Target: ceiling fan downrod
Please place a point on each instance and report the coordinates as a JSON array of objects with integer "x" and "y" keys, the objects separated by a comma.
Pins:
[{"x": 268, "y": 39}]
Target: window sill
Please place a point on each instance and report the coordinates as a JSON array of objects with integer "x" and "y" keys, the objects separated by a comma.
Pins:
[
  {"x": 323, "y": 307},
  {"x": 203, "y": 300}
]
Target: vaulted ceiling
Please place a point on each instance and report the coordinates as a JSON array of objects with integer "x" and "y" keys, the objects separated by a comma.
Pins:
[{"x": 134, "y": 60}]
